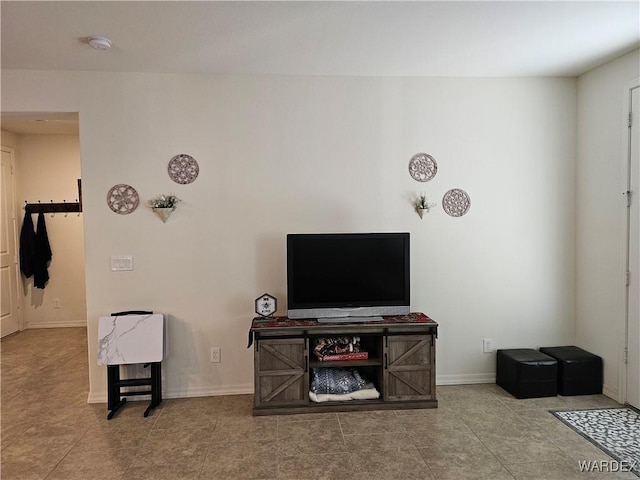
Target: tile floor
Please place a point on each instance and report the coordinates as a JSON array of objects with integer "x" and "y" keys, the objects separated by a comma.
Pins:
[{"x": 479, "y": 431}]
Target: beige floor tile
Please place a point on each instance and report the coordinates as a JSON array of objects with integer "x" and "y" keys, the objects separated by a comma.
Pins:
[
  {"x": 33, "y": 457},
  {"x": 183, "y": 453},
  {"x": 402, "y": 475},
  {"x": 187, "y": 471},
  {"x": 100, "y": 465},
  {"x": 180, "y": 446},
  {"x": 286, "y": 429},
  {"x": 405, "y": 463},
  {"x": 488, "y": 469},
  {"x": 548, "y": 403},
  {"x": 244, "y": 429},
  {"x": 370, "y": 422},
  {"x": 193, "y": 405},
  {"x": 531, "y": 448},
  {"x": 442, "y": 422},
  {"x": 589, "y": 401},
  {"x": 577, "y": 447},
  {"x": 324, "y": 466},
  {"x": 105, "y": 440},
  {"x": 236, "y": 406},
  {"x": 478, "y": 431},
  {"x": 24, "y": 470},
  {"x": 246, "y": 460},
  {"x": 305, "y": 417},
  {"x": 507, "y": 427},
  {"x": 16, "y": 411},
  {"x": 389, "y": 442},
  {"x": 180, "y": 420},
  {"x": 10, "y": 433},
  {"x": 444, "y": 448},
  {"x": 62, "y": 422},
  {"x": 310, "y": 437}
]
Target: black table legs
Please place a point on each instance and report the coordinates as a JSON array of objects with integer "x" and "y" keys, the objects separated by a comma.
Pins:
[{"x": 114, "y": 384}]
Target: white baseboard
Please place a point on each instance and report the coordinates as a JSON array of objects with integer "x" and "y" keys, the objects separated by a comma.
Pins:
[
  {"x": 101, "y": 397},
  {"x": 73, "y": 323},
  {"x": 247, "y": 389},
  {"x": 466, "y": 379},
  {"x": 611, "y": 393}
]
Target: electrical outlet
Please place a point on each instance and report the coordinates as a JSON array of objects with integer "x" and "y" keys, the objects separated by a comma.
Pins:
[
  {"x": 215, "y": 355},
  {"x": 56, "y": 303},
  {"x": 487, "y": 345}
]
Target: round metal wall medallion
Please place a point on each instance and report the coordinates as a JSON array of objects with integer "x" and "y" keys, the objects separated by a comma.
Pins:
[
  {"x": 183, "y": 169},
  {"x": 456, "y": 202},
  {"x": 423, "y": 167},
  {"x": 123, "y": 199}
]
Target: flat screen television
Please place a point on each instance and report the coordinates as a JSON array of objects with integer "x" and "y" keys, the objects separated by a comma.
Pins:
[{"x": 348, "y": 276}]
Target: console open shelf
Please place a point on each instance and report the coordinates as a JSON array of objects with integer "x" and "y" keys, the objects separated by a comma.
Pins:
[{"x": 401, "y": 363}]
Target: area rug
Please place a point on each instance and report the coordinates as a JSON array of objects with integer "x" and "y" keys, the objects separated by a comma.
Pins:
[{"x": 616, "y": 431}]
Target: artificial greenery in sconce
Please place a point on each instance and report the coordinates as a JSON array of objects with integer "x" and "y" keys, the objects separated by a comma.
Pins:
[
  {"x": 422, "y": 204},
  {"x": 164, "y": 205}
]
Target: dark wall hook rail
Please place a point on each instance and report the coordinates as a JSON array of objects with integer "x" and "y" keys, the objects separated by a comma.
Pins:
[{"x": 64, "y": 207}]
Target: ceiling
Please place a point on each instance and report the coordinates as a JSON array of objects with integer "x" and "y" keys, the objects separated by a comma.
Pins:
[
  {"x": 379, "y": 38},
  {"x": 40, "y": 123}
]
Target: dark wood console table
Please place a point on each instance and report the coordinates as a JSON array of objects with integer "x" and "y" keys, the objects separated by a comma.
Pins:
[{"x": 401, "y": 363}]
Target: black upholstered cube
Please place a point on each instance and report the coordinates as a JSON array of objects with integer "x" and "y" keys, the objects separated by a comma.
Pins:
[
  {"x": 579, "y": 372},
  {"x": 527, "y": 373}
]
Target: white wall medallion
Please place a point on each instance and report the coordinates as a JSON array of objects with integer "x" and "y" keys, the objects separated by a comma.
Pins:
[
  {"x": 123, "y": 199},
  {"x": 456, "y": 202},
  {"x": 183, "y": 169},
  {"x": 423, "y": 167}
]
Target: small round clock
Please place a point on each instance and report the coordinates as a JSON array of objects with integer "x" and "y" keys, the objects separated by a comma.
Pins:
[{"x": 266, "y": 305}]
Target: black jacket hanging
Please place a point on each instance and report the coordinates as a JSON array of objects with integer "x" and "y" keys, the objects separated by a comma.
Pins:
[
  {"x": 27, "y": 246},
  {"x": 43, "y": 254}
]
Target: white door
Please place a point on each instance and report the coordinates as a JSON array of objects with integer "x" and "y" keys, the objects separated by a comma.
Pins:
[
  {"x": 9, "y": 313},
  {"x": 633, "y": 312}
]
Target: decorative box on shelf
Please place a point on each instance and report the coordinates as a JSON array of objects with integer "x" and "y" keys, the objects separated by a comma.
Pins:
[{"x": 344, "y": 356}]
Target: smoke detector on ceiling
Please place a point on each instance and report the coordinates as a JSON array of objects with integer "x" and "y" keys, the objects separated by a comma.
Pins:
[{"x": 99, "y": 43}]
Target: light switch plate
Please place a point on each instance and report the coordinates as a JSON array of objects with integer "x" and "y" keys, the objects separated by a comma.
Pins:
[{"x": 121, "y": 263}]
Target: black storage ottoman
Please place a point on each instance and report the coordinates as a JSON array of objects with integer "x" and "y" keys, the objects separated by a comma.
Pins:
[
  {"x": 579, "y": 372},
  {"x": 527, "y": 373}
]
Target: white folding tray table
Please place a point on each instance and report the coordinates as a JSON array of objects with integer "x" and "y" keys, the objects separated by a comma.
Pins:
[{"x": 126, "y": 338}]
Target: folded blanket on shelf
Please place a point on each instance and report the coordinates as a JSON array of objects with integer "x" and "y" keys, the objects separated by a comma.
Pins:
[
  {"x": 336, "y": 380},
  {"x": 364, "y": 394}
]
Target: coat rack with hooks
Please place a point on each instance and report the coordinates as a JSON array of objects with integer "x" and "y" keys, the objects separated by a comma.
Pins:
[{"x": 59, "y": 207}]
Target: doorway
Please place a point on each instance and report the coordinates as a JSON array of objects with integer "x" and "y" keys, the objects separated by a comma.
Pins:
[
  {"x": 47, "y": 168},
  {"x": 632, "y": 346},
  {"x": 10, "y": 301}
]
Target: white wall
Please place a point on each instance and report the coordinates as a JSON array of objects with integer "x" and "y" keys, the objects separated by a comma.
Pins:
[
  {"x": 47, "y": 168},
  {"x": 600, "y": 221},
  {"x": 282, "y": 154}
]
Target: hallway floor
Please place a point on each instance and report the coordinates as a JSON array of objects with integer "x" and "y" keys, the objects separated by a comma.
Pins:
[{"x": 479, "y": 431}]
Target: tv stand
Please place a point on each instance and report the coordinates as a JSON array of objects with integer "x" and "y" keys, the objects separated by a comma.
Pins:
[{"x": 401, "y": 363}]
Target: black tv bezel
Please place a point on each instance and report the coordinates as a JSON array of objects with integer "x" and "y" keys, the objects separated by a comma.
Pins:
[{"x": 346, "y": 306}]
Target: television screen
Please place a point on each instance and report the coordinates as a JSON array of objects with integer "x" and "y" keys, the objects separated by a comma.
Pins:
[{"x": 347, "y": 275}]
